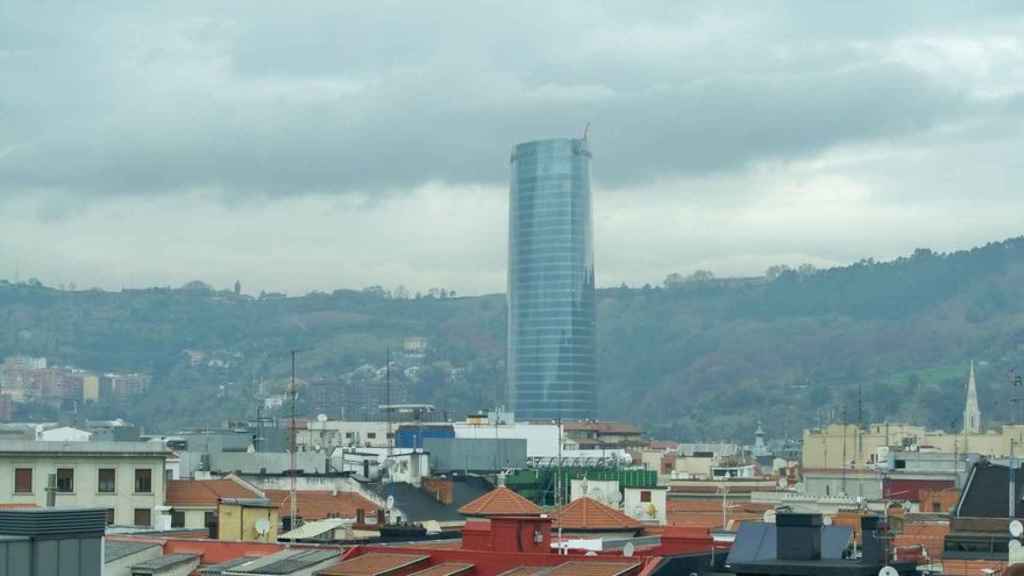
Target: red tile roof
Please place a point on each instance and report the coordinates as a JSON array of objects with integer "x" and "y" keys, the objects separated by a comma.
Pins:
[
  {"x": 374, "y": 564},
  {"x": 205, "y": 493},
  {"x": 319, "y": 504},
  {"x": 589, "y": 514},
  {"x": 501, "y": 502},
  {"x": 445, "y": 569},
  {"x": 594, "y": 569}
]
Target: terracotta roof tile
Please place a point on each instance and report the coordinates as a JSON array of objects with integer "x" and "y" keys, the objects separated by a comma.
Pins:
[
  {"x": 579, "y": 568},
  {"x": 320, "y": 504},
  {"x": 445, "y": 569},
  {"x": 525, "y": 571},
  {"x": 374, "y": 564},
  {"x": 205, "y": 493},
  {"x": 589, "y": 514},
  {"x": 501, "y": 502}
]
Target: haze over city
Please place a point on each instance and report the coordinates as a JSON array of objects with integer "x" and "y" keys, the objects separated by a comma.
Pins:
[{"x": 327, "y": 145}]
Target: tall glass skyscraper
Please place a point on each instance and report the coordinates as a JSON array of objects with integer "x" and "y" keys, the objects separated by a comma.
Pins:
[{"x": 551, "y": 346}]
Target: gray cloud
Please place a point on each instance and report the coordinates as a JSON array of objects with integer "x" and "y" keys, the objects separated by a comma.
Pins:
[
  {"x": 340, "y": 99},
  {"x": 707, "y": 118}
]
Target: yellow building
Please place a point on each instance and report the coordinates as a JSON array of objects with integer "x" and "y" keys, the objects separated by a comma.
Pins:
[
  {"x": 834, "y": 445},
  {"x": 247, "y": 520},
  {"x": 90, "y": 388}
]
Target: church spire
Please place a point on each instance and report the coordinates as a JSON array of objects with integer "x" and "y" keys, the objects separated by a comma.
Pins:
[{"x": 972, "y": 415}]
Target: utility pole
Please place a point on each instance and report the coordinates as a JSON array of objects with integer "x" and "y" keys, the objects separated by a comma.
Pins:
[
  {"x": 844, "y": 451},
  {"x": 558, "y": 484},
  {"x": 388, "y": 436},
  {"x": 293, "y": 504}
]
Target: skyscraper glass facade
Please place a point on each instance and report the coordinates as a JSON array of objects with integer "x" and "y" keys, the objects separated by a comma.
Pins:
[{"x": 551, "y": 340}]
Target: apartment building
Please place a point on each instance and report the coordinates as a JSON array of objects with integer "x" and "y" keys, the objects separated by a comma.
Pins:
[{"x": 127, "y": 479}]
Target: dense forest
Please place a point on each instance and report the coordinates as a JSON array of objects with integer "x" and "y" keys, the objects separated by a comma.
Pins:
[{"x": 695, "y": 358}]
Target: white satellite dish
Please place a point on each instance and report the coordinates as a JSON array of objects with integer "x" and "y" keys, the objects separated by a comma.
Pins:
[
  {"x": 628, "y": 550},
  {"x": 391, "y": 503},
  {"x": 262, "y": 526},
  {"x": 783, "y": 483},
  {"x": 1016, "y": 529},
  {"x": 768, "y": 517},
  {"x": 888, "y": 571},
  {"x": 1015, "y": 546},
  {"x": 321, "y": 417},
  {"x": 827, "y": 520}
]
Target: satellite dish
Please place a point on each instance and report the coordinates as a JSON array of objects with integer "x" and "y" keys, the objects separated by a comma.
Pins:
[
  {"x": 1015, "y": 546},
  {"x": 1016, "y": 529},
  {"x": 827, "y": 520},
  {"x": 888, "y": 571},
  {"x": 768, "y": 517},
  {"x": 628, "y": 549},
  {"x": 391, "y": 503},
  {"x": 321, "y": 417},
  {"x": 783, "y": 483},
  {"x": 262, "y": 526}
]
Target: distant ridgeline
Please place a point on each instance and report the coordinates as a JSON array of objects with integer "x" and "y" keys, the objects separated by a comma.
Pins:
[{"x": 697, "y": 358}]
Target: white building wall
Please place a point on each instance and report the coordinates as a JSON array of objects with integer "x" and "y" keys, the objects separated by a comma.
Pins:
[
  {"x": 541, "y": 439},
  {"x": 654, "y": 511},
  {"x": 123, "y": 500}
]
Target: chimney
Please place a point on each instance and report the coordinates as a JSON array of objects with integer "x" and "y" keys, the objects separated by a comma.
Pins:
[
  {"x": 51, "y": 490},
  {"x": 798, "y": 536},
  {"x": 872, "y": 540}
]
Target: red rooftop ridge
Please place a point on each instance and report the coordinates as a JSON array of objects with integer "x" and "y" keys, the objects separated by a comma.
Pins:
[
  {"x": 501, "y": 502},
  {"x": 587, "y": 514}
]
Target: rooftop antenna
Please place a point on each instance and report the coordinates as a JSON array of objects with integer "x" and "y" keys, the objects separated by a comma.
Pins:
[
  {"x": 292, "y": 503},
  {"x": 586, "y": 133},
  {"x": 387, "y": 401}
]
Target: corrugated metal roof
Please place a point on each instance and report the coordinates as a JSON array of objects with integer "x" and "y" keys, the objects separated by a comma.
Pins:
[
  {"x": 288, "y": 562},
  {"x": 53, "y": 521},
  {"x": 218, "y": 569}
]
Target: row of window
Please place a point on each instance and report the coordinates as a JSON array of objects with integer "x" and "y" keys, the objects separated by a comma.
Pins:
[{"x": 106, "y": 481}]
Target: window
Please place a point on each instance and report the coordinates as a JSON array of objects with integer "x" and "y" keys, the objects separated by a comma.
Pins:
[
  {"x": 142, "y": 517},
  {"x": 645, "y": 495},
  {"x": 348, "y": 435},
  {"x": 107, "y": 477},
  {"x": 65, "y": 480},
  {"x": 22, "y": 480},
  {"x": 110, "y": 516},
  {"x": 371, "y": 435},
  {"x": 177, "y": 518},
  {"x": 209, "y": 519},
  {"x": 936, "y": 506},
  {"x": 143, "y": 481}
]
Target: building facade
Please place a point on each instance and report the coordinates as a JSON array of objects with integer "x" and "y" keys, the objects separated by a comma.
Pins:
[
  {"x": 551, "y": 326},
  {"x": 125, "y": 478}
]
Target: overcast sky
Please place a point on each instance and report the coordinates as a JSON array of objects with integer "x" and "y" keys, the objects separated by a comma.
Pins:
[{"x": 319, "y": 145}]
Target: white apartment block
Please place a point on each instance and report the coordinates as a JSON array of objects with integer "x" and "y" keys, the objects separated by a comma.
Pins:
[{"x": 126, "y": 478}]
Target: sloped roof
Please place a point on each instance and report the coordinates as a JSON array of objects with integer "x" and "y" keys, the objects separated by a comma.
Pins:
[
  {"x": 205, "y": 493},
  {"x": 418, "y": 506},
  {"x": 374, "y": 564},
  {"x": 501, "y": 502},
  {"x": 594, "y": 568},
  {"x": 446, "y": 569},
  {"x": 318, "y": 504},
  {"x": 589, "y": 514}
]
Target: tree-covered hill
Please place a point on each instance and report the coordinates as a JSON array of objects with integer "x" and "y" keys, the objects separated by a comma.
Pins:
[{"x": 698, "y": 357}]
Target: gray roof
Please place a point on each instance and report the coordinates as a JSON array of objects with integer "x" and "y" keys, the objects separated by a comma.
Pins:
[
  {"x": 218, "y": 569},
  {"x": 117, "y": 549},
  {"x": 85, "y": 448},
  {"x": 418, "y": 506},
  {"x": 163, "y": 562},
  {"x": 289, "y": 561}
]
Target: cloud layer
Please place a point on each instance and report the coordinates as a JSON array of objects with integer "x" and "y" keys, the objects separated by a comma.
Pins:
[{"x": 346, "y": 145}]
